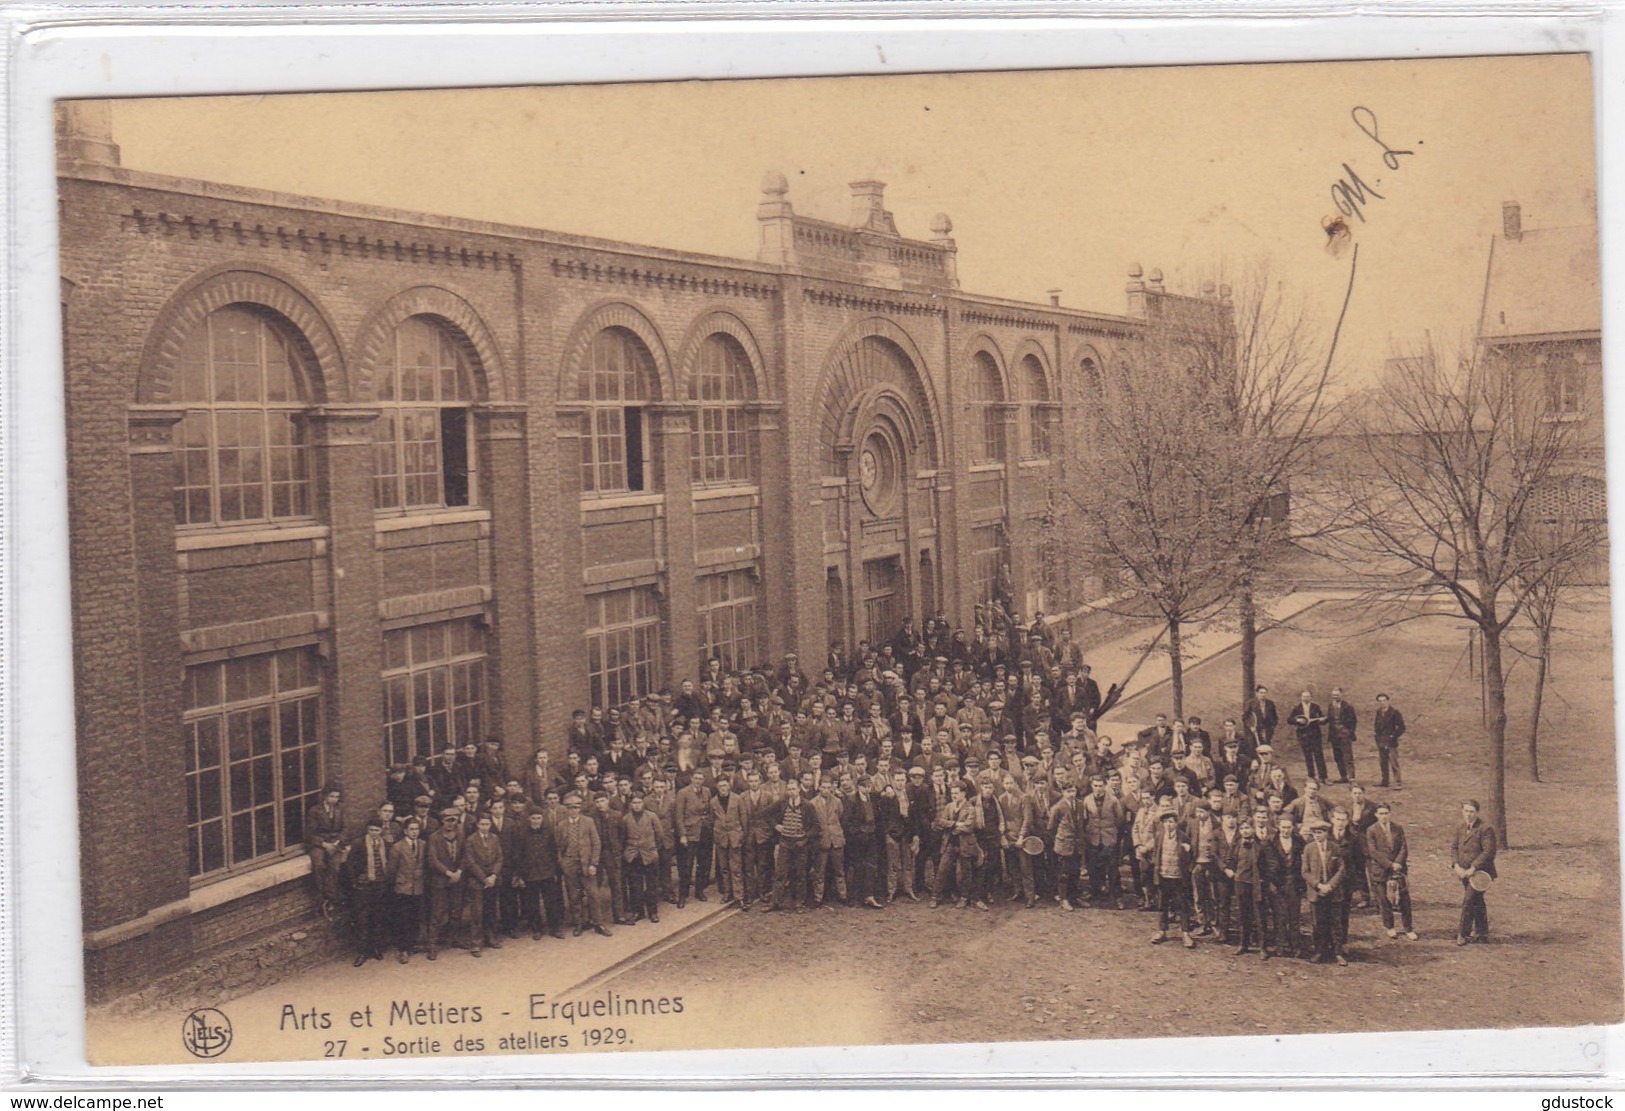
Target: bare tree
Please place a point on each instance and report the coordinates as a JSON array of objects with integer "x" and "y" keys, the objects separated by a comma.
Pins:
[
  {"x": 1180, "y": 474},
  {"x": 1275, "y": 371},
  {"x": 1443, "y": 477},
  {"x": 1560, "y": 548}
]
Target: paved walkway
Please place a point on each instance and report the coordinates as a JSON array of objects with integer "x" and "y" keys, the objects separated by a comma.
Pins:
[{"x": 1111, "y": 661}]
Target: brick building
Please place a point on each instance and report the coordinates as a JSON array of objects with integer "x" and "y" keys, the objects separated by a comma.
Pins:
[
  {"x": 1543, "y": 314},
  {"x": 350, "y": 484}
]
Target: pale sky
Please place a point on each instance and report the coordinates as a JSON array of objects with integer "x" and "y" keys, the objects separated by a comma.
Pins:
[{"x": 1057, "y": 179}]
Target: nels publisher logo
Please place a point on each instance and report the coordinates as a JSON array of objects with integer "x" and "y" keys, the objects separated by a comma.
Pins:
[{"x": 206, "y": 1032}]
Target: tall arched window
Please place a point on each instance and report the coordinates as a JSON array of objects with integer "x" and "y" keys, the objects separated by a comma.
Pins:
[
  {"x": 242, "y": 382},
  {"x": 1038, "y": 407},
  {"x": 421, "y": 443},
  {"x": 986, "y": 394},
  {"x": 719, "y": 387},
  {"x": 616, "y": 382}
]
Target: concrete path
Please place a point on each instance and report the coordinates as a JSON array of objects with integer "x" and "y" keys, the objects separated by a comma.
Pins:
[{"x": 1110, "y": 661}]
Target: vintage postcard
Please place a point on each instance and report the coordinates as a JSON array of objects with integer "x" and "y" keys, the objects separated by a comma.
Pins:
[{"x": 975, "y": 557}]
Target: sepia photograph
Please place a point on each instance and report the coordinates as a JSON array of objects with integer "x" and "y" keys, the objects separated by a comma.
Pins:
[{"x": 981, "y": 557}]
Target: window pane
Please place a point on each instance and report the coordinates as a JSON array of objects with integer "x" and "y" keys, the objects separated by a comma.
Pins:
[{"x": 271, "y": 760}]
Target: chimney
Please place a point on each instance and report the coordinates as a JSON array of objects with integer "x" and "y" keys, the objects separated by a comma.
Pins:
[
  {"x": 1512, "y": 221},
  {"x": 869, "y": 206},
  {"x": 1054, "y": 298}
]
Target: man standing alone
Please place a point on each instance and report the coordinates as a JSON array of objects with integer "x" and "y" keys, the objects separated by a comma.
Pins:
[
  {"x": 1474, "y": 852},
  {"x": 1388, "y": 727}
]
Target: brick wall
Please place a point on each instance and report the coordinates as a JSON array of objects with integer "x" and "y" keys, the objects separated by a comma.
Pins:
[{"x": 145, "y": 259}]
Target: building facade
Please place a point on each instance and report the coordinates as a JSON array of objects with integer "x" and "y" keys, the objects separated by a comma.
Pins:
[
  {"x": 1543, "y": 314},
  {"x": 349, "y": 485}
]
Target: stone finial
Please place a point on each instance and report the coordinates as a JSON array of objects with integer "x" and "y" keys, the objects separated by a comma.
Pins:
[
  {"x": 941, "y": 226},
  {"x": 1208, "y": 289},
  {"x": 774, "y": 184},
  {"x": 1154, "y": 280},
  {"x": 1224, "y": 294}
]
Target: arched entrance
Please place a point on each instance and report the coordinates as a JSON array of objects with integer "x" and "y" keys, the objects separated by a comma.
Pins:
[{"x": 880, "y": 456}]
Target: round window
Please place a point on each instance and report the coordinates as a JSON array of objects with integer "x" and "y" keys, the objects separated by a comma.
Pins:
[{"x": 878, "y": 475}]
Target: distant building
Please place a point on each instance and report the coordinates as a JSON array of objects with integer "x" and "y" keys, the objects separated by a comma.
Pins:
[
  {"x": 349, "y": 485},
  {"x": 1543, "y": 313}
]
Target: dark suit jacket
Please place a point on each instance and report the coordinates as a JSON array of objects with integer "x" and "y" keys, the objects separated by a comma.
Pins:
[
  {"x": 1388, "y": 726},
  {"x": 322, "y": 827},
  {"x": 1261, "y": 718},
  {"x": 1283, "y": 870},
  {"x": 1386, "y": 853},
  {"x": 1475, "y": 846},
  {"x": 482, "y": 857},
  {"x": 1341, "y": 721},
  {"x": 1308, "y": 730},
  {"x": 445, "y": 856}
]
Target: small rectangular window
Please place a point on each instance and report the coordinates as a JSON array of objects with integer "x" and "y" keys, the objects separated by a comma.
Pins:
[
  {"x": 454, "y": 454},
  {"x": 634, "y": 449}
]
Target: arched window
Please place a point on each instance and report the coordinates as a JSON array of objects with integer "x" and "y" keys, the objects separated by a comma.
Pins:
[
  {"x": 986, "y": 393},
  {"x": 242, "y": 382},
  {"x": 1038, "y": 407},
  {"x": 616, "y": 381},
  {"x": 719, "y": 387},
  {"x": 421, "y": 443}
]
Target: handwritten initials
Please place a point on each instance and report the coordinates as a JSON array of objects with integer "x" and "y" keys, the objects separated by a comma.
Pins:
[
  {"x": 1349, "y": 193},
  {"x": 1366, "y": 120}
]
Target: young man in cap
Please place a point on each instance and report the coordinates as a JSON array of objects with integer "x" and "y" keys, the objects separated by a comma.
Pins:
[
  {"x": 1171, "y": 861},
  {"x": 729, "y": 818},
  {"x": 860, "y": 817},
  {"x": 1244, "y": 870},
  {"x": 1323, "y": 884},
  {"x": 445, "y": 880},
  {"x": 369, "y": 873},
  {"x": 482, "y": 870},
  {"x": 1104, "y": 818},
  {"x": 691, "y": 820},
  {"x": 795, "y": 823},
  {"x": 324, "y": 841},
  {"x": 831, "y": 852},
  {"x": 642, "y": 857},
  {"x": 579, "y": 851},
  {"x": 406, "y": 883},
  {"x": 536, "y": 874}
]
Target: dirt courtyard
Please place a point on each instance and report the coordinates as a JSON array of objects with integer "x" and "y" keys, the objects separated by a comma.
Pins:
[{"x": 911, "y": 974}]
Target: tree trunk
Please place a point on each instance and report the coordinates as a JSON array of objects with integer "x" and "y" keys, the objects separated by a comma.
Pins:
[
  {"x": 1247, "y": 608},
  {"x": 1543, "y": 621},
  {"x": 1495, "y": 689},
  {"x": 1176, "y": 666}
]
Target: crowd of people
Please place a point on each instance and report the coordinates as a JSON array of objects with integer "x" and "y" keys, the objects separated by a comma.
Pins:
[{"x": 943, "y": 767}]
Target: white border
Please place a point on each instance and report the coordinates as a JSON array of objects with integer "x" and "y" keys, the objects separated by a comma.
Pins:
[{"x": 88, "y": 60}]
